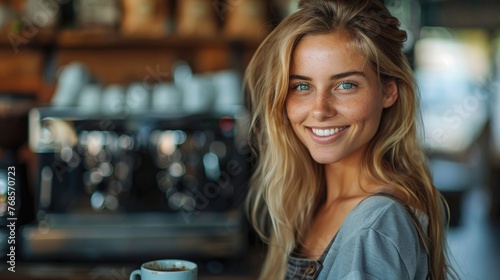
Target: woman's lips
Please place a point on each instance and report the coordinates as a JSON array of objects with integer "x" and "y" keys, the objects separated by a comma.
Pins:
[{"x": 327, "y": 135}]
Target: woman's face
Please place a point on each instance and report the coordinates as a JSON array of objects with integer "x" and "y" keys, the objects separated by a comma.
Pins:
[{"x": 335, "y": 100}]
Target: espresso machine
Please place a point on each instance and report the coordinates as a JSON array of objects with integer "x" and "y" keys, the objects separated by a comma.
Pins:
[{"x": 137, "y": 186}]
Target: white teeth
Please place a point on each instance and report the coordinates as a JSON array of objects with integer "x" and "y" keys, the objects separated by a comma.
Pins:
[{"x": 327, "y": 132}]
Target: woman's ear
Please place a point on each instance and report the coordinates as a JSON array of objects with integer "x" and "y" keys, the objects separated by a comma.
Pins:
[{"x": 391, "y": 92}]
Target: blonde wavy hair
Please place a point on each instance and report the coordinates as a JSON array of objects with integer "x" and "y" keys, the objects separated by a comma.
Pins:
[{"x": 287, "y": 185}]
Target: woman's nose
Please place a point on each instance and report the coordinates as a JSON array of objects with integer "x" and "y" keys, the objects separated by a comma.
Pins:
[{"x": 323, "y": 106}]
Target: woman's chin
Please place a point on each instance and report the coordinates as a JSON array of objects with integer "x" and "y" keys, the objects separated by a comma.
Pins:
[{"x": 324, "y": 159}]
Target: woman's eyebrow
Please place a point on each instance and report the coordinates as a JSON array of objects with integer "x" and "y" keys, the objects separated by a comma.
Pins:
[
  {"x": 299, "y": 77},
  {"x": 348, "y": 74},
  {"x": 333, "y": 77}
]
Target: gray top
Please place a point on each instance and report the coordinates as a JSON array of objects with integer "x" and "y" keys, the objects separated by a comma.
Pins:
[{"x": 377, "y": 240}]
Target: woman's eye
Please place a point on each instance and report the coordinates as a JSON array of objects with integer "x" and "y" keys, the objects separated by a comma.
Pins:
[
  {"x": 302, "y": 87},
  {"x": 346, "y": 86}
]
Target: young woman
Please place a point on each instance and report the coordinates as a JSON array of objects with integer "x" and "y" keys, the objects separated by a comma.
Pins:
[{"x": 341, "y": 188}]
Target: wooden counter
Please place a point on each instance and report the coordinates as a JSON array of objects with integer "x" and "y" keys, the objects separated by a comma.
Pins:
[
  {"x": 245, "y": 267},
  {"x": 54, "y": 271}
]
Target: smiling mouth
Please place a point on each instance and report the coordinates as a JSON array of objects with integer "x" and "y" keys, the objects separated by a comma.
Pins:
[{"x": 327, "y": 132}]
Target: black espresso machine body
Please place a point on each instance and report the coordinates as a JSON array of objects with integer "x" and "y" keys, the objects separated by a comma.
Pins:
[{"x": 138, "y": 186}]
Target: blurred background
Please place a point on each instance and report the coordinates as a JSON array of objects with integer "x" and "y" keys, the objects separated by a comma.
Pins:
[{"x": 123, "y": 131}]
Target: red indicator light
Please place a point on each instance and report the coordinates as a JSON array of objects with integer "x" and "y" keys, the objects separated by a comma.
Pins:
[{"x": 226, "y": 124}]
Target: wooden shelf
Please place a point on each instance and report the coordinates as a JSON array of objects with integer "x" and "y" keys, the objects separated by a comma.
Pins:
[
  {"x": 34, "y": 39},
  {"x": 112, "y": 57},
  {"x": 95, "y": 39},
  {"x": 21, "y": 71},
  {"x": 111, "y": 39}
]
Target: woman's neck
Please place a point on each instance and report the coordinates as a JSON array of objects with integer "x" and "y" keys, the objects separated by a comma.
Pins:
[{"x": 346, "y": 179}]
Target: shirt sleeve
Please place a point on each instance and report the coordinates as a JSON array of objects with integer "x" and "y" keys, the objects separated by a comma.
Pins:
[
  {"x": 388, "y": 247},
  {"x": 370, "y": 255}
]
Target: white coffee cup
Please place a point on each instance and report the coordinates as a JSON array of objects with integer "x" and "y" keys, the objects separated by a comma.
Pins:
[
  {"x": 113, "y": 101},
  {"x": 166, "y": 98},
  {"x": 90, "y": 98},
  {"x": 72, "y": 78},
  {"x": 227, "y": 88},
  {"x": 166, "y": 270},
  {"x": 198, "y": 95},
  {"x": 137, "y": 98}
]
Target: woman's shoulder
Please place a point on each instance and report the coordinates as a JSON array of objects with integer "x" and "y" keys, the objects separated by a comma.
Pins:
[
  {"x": 378, "y": 238},
  {"x": 383, "y": 213}
]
